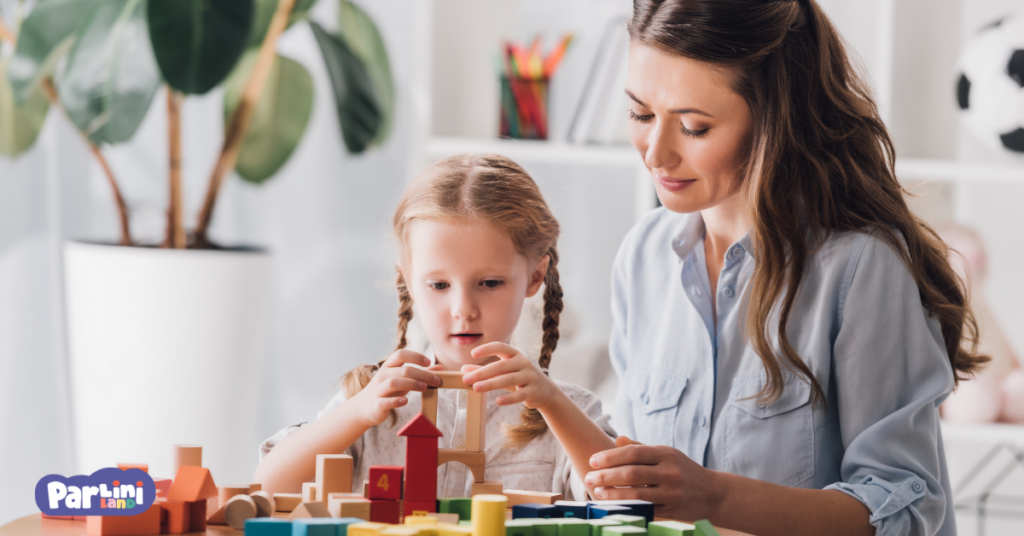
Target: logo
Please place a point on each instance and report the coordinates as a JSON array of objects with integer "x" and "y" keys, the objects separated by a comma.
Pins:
[{"x": 107, "y": 492}]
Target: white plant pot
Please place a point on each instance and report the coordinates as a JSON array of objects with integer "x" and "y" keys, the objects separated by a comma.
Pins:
[{"x": 166, "y": 347}]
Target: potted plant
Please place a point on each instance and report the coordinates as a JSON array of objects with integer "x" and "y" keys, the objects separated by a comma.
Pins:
[{"x": 167, "y": 341}]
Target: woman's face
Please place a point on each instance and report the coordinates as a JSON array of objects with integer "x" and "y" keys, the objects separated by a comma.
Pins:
[{"x": 689, "y": 125}]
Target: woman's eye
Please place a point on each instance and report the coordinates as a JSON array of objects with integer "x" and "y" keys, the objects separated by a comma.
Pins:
[
  {"x": 492, "y": 283},
  {"x": 693, "y": 133},
  {"x": 640, "y": 118},
  {"x": 439, "y": 285}
]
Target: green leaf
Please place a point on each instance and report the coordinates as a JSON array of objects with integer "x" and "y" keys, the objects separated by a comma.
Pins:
[
  {"x": 265, "y": 12},
  {"x": 111, "y": 75},
  {"x": 358, "y": 110},
  {"x": 19, "y": 123},
  {"x": 46, "y": 34},
  {"x": 198, "y": 42},
  {"x": 357, "y": 29},
  {"x": 280, "y": 117}
]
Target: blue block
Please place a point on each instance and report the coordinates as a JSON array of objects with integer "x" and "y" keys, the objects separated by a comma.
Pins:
[
  {"x": 535, "y": 511},
  {"x": 577, "y": 509},
  {"x": 597, "y": 511},
  {"x": 268, "y": 526},
  {"x": 344, "y": 522},
  {"x": 637, "y": 507},
  {"x": 322, "y": 526}
]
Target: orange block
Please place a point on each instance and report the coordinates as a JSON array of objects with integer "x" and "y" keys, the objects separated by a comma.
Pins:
[
  {"x": 197, "y": 516},
  {"x": 163, "y": 485},
  {"x": 178, "y": 517},
  {"x": 125, "y": 466},
  {"x": 192, "y": 484},
  {"x": 147, "y": 522}
]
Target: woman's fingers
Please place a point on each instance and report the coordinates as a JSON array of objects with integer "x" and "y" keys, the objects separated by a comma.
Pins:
[
  {"x": 626, "y": 475},
  {"x": 623, "y": 441},
  {"x": 650, "y": 494},
  {"x": 628, "y": 455}
]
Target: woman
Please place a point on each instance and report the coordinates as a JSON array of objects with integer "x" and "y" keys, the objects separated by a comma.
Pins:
[{"x": 784, "y": 328}]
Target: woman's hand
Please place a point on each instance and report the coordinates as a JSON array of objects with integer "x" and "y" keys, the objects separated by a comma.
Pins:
[
  {"x": 390, "y": 385},
  {"x": 679, "y": 487},
  {"x": 514, "y": 372}
]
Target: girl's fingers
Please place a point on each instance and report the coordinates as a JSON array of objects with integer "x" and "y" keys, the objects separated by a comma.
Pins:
[
  {"x": 413, "y": 373},
  {"x": 508, "y": 382},
  {"x": 388, "y": 404},
  {"x": 498, "y": 368},
  {"x": 403, "y": 356},
  {"x": 514, "y": 397},
  {"x": 437, "y": 367},
  {"x": 466, "y": 369},
  {"x": 499, "y": 349},
  {"x": 395, "y": 384}
]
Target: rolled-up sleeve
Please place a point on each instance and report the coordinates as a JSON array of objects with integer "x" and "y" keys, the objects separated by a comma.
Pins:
[{"x": 892, "y": 372}]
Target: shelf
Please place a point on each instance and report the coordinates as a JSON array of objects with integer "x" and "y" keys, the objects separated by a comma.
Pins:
[
  {"x": 957, "y": 171},
  {"x": 536, "y": 152}
]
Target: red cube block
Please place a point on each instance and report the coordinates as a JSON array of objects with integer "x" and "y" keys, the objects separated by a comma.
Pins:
[
  {"x": 384, "y": 511},
  {"x": 385, "y": 482}
]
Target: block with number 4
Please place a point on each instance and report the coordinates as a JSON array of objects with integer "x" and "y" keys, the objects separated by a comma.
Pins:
[{"x": 385, "y": 482}]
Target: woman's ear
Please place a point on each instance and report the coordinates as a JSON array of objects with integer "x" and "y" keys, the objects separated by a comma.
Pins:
[{"x": 537, "y": 278}]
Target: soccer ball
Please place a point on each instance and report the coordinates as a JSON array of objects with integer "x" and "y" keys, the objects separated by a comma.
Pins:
[{"x": 990, "y": 89}]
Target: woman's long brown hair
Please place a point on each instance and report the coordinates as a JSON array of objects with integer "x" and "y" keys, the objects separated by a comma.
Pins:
[{"x": 821, "y": 161}]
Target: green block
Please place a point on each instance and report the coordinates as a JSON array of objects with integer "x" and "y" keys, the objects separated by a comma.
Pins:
[
  {"x": 519, "y": 527},
  {"x": 544, "y": 527},
  {"x": 568, "y": 526},
  {"x": 597, "y": 525},
  {"x": 465, "y": 522},
  {"x": 670, "y": 528},
  {"x": 462, "y": 507},
  {"x": 624, "y": 530},
  {"x": 626, "y": 519},
  {"x": 704, "y": 528}
]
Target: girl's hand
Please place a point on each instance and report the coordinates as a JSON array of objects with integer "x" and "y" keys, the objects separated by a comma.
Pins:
[
  {"x": 678, "y": 487},
  {"x": 387, "y": 390},
  {"x": 513, "y": 372}
]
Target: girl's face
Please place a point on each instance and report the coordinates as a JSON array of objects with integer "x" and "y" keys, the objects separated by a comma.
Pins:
[
  {"x": 690, "y": 127},
  {"x": 468, "y": 283}
]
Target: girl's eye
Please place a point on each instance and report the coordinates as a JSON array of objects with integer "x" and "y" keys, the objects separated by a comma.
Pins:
[
  {"x": 640, "y": 118},
  {"x": 693, "y": 133},
  {"x": 439, "y": 285},
  {"x": 492, "y": 283}
]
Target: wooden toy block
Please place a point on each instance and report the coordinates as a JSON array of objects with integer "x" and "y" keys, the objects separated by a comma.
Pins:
[
  {"x": 476, "y": 421},
  {"x": 476, "y": 461},
  {"x": 487, "y": 487},
  {"x": 519, "y": 527},
  {"x": 420, "y": 459},
  {"x": 217, "y": 517},
  {"x": 333, "y": 474},
  {"x": 636, "y": 506},
  {"x": 345, "y": 522},
  {"x": 268, "y": 526},
  {"x": 286, "y": 502},
  {"x": 309, "y": 509},
  {"x": 192, "y": 484},
  {"x": 265, "y": 504},
  {"x": 598, "y": 511},
  {"x": 125, "y": 466},
  {"x": 489, "y": 515},
  {"x": 463, "y": 508},
  {"x": 401, "y": 530},
  {"x": 342, "y": 506},
  {"x": 451, "y": 379},
  {"x": 452, "y": 519},
  {"x": 670, "y": 528},
  {"x": 597, "y": 525},
  {"x": 366, "y": 528},
  {"x": 577, "y": 509},
  {"x": 187, "y": 456},
  {"x": 366, "y": 488},
  {"x": 384, "y": 511},
  {"x": 429, "y": 404},
  {"x": 452, "y": 529},
  {"x": 420, "y": 519},
  {"x": 178, "y": 517},
  {"x": 315, "y": 526},
  {"x": 385, "y": 482},
  {"x": 238, "y": 509},
  {"x": 516, "y": 496},
  {"x": 411, "y": 508},
  {"x": 197, "y": 516},
  {"x": 466, "y": 523},
  {"x": 309, "y": 492},
  {"x": 624, "y": 530},
  {"x": 143, "y": 523},
  {"x": 534, "y": 511},
  {"x": 225, "y": 493},
  {"x": 163, "y": 485},
  {"x": 626, "y": 519},
  {"x": 255, "y": 486},
  {"x": 704, "y": 528}
]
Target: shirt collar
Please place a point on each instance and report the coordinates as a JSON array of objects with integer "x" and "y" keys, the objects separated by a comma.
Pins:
[{"x": 693, "y": 234}]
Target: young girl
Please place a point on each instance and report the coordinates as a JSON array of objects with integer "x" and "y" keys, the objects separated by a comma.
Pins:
[{"x": 476, "y": 240}]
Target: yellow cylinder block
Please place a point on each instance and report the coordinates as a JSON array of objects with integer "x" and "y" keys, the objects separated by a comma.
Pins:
[{"x": 489, "y": 515}]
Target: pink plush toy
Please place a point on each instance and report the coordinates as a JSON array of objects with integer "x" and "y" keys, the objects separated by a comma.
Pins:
[{"x": 997, "y": 392}]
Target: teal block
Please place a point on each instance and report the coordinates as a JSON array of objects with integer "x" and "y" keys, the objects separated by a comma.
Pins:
[
  {"x": 519, "y": 527},
  {"x": 670, "y": 528},
  {"x": 626, "y": 519},
  {"x": 344, "y": 522},
  {"x": 597, "y": 525},
  {"x": 462, "y": 507},
  {"x": 268, "y": 526},
  {"x": 704, "y": 528},
  {"x": 624, "y": 530},
  {"x": 315, "y": 526}
]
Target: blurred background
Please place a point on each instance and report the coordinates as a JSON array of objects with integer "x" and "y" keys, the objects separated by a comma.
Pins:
[{"x": 324, "y": 216}]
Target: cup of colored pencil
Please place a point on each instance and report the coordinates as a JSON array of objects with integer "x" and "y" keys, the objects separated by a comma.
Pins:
[{"x": 524, "y": 74}]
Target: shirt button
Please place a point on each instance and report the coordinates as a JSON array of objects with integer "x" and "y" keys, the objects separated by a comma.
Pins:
[
  {"x": 736, "y": 251},
  {"x": 727, "y": 291},
  {"x": 704, "y": 420},
  {"x": 697, "y": 292},
  {"x": 917, "y": 487},
  {"x": 761, "y": 405},
  {"x": 459, "y": 443}
]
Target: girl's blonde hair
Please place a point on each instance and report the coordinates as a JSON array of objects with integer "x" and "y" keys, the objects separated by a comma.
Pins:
[{"x": 492, "y": 189}]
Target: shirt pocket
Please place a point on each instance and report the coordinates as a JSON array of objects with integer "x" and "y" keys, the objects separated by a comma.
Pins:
[
  {"x": 529, "y": 475},
  {"x": 774, "y": 441},
  {"x": 655, "y": 396}
]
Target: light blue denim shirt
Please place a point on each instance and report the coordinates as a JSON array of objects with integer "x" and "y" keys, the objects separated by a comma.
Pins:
[{"x": 858, "y": 324}]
